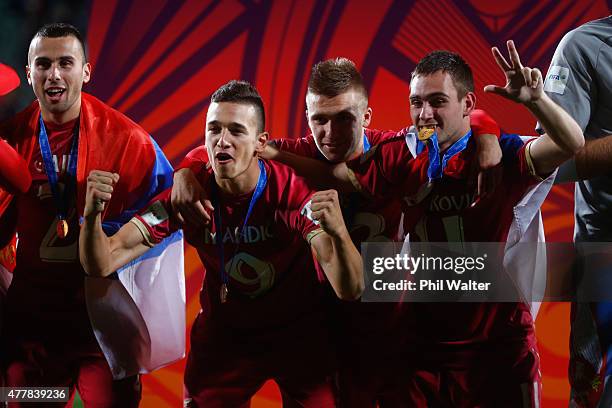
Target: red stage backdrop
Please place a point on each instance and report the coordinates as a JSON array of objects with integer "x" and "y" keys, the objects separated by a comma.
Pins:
[{"x": 159, "y": 61}]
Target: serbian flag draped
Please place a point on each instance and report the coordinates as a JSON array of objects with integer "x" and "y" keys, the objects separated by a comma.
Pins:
[{"x": 138, "y": 314}]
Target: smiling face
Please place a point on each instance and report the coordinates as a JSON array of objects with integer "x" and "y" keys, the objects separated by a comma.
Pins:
[
  {"x": 337, "y": 123},
  {"x": 434, "y": 102},
  {"x": 57, "y": 71},
  {"x": 233, "y": 142}
]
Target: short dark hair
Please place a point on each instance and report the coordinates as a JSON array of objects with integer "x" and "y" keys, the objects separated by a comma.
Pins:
[
  {"x": 449, "y": 62},
  {"x": 58, "y": 30},
  {"x": 242, "y": 92},
  {"x": 335, "y": 76}
]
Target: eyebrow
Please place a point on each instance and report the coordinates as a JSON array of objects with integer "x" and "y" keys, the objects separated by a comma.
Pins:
[
  {"x": 323, "y": 115},
  {"x": 46, "y": 59},
  {"x": 431, "y": 95},
  {"x": 230, "y": 125}
]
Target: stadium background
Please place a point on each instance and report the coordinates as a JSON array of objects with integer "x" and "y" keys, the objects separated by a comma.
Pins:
[{"x": 158, "y": 61}]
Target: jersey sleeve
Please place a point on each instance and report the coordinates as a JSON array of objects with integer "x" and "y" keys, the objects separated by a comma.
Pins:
[
  {"x": 482, "y": 123},
  {"x": 517, "y": 163},
  {"x": 196, "y": 160},
  {"x": 304, "y": 146},
  {"x": 387, "y": 169},
  {"x": 155, "y": 221},
  {"x": 570, "y": 78},
  {"x": 14, "y": 173},
  {"x": 296, "y": 212}
]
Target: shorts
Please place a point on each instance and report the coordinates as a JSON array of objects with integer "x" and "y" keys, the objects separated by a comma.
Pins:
[{"x": 36, "y": 366}]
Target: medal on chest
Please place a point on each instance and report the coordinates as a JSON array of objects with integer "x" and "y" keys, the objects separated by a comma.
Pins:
[
  {"x": 62, "y": 229},
  {"x": 63, "y": 198},
  {"x": 261, "y": 184}
]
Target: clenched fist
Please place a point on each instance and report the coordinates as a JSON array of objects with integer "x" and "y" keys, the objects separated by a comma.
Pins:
[
  {"x": 326, "y": 210},
  {"x": 99, "y": 190}
]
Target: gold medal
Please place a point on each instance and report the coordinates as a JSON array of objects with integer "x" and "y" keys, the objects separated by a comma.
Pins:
[
  {"x": 223, "y": 293},
  {"x": 62, "y": 229},
  {"x": 426, "y": 132}
]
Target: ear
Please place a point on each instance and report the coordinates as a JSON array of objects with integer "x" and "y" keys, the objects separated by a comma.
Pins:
[
  {"x": 367, "y": 117},
  {"x": 262, "y": 140},
  {"x": 469, "y": 103},
  {"x": 28, "y": 74},
  {"x": 86, "y": 72}
]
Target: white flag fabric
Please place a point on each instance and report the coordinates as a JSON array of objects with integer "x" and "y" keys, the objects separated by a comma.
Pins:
[{"x": 139, "y": 318}]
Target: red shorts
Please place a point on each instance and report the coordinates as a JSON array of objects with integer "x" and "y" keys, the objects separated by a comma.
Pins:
[
  {"x": 485, "y": 381},
  {"x": 33, "y": 365},
  {"x": 226, "y": 369}
]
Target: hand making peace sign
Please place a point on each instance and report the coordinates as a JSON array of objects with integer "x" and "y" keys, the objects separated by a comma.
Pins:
[{"x": 523, "y": 84}]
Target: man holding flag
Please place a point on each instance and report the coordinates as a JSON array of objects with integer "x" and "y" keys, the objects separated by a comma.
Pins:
[{"x": 47, "y": 333}]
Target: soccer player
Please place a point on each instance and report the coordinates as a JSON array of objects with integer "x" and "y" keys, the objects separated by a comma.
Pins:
[
  {"x": 263, "y": 314},
  {"x": 580, "y": 81},
  {"x": 338, "y": 115},
  {"x": 470, "y": 354},
  {"x": 47, "y": 335}
]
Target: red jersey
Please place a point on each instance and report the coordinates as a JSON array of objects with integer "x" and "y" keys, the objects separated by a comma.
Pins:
[
  {"x": 45, "y": 302},
  {"x": 443, "y": 213},
  {"x": 367, "y": 219},
  {"x": 273, "y": 285},
  {"x": 47, "y": 286}
]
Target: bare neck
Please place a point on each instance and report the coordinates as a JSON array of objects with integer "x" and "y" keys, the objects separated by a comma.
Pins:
[
  {"x": 60, "y": 118},
  {"x": 448, "y": 143},
  {"x": 241, "y": 184}
]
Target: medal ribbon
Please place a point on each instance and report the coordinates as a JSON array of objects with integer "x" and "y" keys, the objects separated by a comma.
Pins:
[
  {"x": 366, "y": 144},
  {"x": 61, "y": 202},
  {"x": 261, "y": 184},
  {"x": 436, "y": 168}
]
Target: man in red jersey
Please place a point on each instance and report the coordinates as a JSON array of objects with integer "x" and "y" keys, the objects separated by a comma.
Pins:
[
  {"x": 47, "y": 336},
  {"x": 338, "y": 116},
  {"x": 263, "y": 313},
  {"x": 470, "y": 354}
]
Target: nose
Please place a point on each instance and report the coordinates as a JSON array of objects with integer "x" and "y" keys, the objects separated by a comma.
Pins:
[
  {"x": 330, "y": 129},
  {"x": 426, "y": 112},
  {"x": 223, "y": 141},
  {"x": 54, "y": 73}
]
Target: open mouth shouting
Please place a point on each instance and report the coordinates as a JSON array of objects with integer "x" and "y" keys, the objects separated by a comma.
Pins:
[
  {"x": 54, "y": 93},
  {"x": 223, "y": 158}
]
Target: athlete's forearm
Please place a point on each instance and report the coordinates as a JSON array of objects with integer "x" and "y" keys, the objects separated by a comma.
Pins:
[
  {"x": 559, "y": 126},
  {"x": 595, "y": 158},
  {"x": 102, "y": 255},
  {"x": 562, "y": 140},
  {"x": 346, "y": 268},
  {"x": 94, "y": 247},
  {"x": 320, "y": 175}
]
